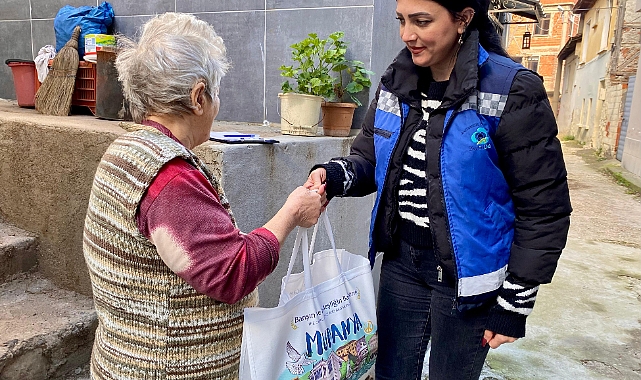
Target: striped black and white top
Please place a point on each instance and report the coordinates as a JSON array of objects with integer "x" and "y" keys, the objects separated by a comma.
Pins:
[{"x": 412, "y": 190}]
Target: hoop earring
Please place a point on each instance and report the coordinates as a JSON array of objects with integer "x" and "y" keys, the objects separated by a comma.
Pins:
[{"x": 460, "y": 39}]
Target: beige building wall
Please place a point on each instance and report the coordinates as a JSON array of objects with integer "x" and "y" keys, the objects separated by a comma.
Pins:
[
  {"x": 608, "y": 54},
  {"x": 598, "y": 29}
]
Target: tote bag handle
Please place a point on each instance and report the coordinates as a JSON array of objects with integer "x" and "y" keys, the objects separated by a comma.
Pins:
[
  {"x": 330, "y": 235},
  {"x": 302, "y": 242}
]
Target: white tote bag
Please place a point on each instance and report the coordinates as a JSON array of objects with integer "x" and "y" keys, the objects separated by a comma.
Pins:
[{"x": 325, "y": 324}]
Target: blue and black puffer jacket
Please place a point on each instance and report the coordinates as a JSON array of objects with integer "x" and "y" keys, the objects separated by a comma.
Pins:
[{"x": 497, "y": 185}]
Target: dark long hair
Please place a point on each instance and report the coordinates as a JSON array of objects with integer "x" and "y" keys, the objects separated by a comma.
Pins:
[{"x": 488, "y": 37}]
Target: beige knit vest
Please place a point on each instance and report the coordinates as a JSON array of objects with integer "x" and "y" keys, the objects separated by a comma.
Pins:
[{"x": 152, "y": 324}]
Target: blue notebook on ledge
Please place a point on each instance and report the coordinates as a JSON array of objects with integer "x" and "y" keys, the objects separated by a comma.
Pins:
[{"x": 239, "y": 138}]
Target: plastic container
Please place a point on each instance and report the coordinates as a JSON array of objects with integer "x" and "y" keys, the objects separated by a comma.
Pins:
[
  {"x": 24, "y": 81},
  {"x": 97, "y": 42},
  {"x": 84, "y": 92},
  {"x": 299, "y": 114}
]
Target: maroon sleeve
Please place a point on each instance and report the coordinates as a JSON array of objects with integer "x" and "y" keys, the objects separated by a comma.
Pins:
[{"x": 182, "y": 216}]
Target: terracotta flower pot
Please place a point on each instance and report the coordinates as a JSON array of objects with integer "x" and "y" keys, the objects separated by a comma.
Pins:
[{"x": 337, "y": 118}]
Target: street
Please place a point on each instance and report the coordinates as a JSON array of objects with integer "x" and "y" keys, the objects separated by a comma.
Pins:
[{"x": 586, "y": 324}]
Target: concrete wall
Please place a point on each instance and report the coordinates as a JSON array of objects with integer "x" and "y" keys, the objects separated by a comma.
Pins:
[
  {"x": 587, "y": 80},
  {"x": 569, "y": 95},
  {"x": 47, "y": 166},
  {"x": 610, "y": 105},
  {"x": 257, "y": 33},
  {"x": 257, "y": 180}
]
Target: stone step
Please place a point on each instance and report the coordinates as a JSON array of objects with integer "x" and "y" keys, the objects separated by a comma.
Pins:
[
  {"x": 18, "y": 251},
  {"x": 45, "y": 332}
]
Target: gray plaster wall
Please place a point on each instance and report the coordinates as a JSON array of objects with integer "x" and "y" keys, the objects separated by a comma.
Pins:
[
  {"x": 257, "y": 33},
  {"x": 587, "y": 80}
]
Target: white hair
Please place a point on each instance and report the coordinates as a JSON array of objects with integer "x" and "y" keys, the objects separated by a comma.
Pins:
[{"x": 174, "y": 53}]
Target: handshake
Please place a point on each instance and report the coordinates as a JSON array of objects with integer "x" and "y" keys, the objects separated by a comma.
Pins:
[{"x": 307, "y": 202}]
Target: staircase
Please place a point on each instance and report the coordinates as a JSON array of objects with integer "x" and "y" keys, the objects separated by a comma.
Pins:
[{"x": 45, "y": 332}]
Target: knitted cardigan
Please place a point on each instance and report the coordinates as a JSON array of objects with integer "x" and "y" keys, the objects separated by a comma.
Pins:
[{"x": 152, "y": 324}]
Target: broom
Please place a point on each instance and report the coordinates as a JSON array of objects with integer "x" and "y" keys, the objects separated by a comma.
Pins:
[{"x": 54, "y": 95}]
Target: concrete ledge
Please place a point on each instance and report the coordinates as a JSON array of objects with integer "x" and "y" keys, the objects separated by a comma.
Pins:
[
  {"x": 45, "y": 332},
  {"x": 624, "y": 177},
  {"x": 611, "y": 167},
  {"x": 47, "y": 164},
  {"x": 18, "y": 250}
]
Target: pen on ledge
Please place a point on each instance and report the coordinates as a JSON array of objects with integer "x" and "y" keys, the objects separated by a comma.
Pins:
[{"x": 240, "y": 135}]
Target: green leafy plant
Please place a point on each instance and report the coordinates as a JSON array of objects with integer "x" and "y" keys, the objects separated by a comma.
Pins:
[{"x": 321, "y": 69}]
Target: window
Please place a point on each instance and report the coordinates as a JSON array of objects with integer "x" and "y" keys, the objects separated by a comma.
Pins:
[
  {"x": 605, "y": 33},
  {"x": 527, "y": 40},
  {"x": 574, "y": 25},
  {"x": 585, "y": 41},
  {"x": 531, "y": 63},
  {"x": 517, "y": 59},
  {"x": 543, "y": 27}
]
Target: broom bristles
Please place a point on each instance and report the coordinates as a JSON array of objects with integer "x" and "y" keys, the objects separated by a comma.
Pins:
[{"x": 54, "y": 96}]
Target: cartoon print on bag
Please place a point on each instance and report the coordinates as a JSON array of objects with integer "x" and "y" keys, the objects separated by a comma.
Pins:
[
  {"x": 350, "y": 361},
  {"x": 295, "y": 366}
]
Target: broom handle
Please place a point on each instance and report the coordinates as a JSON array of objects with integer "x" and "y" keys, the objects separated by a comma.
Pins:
[{"x": 73, "y": 41}]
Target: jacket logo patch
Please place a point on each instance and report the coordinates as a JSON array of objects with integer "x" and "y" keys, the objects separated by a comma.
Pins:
[{"x": 481, "y": 138}]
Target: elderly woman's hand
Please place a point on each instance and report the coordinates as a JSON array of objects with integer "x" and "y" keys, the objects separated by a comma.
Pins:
[
  {"x": 306, "y": 205},
  {"x": 302, "y": 208}
]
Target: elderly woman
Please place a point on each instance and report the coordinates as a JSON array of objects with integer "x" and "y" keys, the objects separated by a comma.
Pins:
[{"x": 171, "y": 272}]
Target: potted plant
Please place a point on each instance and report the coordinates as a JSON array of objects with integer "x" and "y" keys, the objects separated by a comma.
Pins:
[{"x": 324, "y": 71}]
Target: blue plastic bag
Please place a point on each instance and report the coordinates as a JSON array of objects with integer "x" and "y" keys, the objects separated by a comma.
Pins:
[{"x": 92, "y": 20}]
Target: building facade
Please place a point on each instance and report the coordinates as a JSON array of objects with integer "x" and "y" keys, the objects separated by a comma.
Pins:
[
  {"x": 597, "y": 64},
  {"x": 631, "y": 155},
  {"x": 546, "y": 38}
]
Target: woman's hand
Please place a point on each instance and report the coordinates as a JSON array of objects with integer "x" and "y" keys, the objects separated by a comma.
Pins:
[
  {"x": 495, "y": 340},
  {"x": 306, "y": 205},
  {"x": 302, "y": 208},
  {"x": 315, "y": 180}
]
